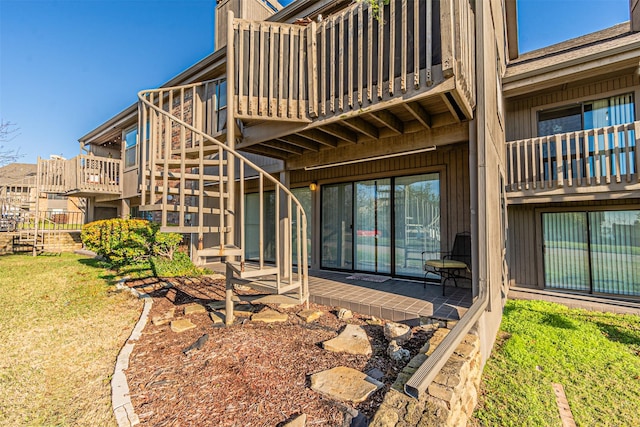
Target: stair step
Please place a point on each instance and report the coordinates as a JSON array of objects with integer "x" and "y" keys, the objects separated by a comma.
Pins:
[
  {"x": 252, "y": 270},
  {"x": 189, "y": 176},
  {"x": 194, "y": 229},
  {"x": 273, "y": 299},
  {"x": 214, "y": 251},
  {"x": 178, "y": 208},
  {"x": 267, "y": 285}
]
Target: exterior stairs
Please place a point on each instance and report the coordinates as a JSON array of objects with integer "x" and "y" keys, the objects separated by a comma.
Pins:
[{"x": 193, "y": 181}]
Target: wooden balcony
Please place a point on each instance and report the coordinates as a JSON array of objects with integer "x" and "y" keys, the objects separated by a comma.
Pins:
[
  {"x": 81, "y": 176},
  {"x": 591, "y": 164},
  {"x": 356, "y": 75}
]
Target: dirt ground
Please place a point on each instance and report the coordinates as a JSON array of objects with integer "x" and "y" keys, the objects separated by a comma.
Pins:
[{"x": 251, "y": 374}]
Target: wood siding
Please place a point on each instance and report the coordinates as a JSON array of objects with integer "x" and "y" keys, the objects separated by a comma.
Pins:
[{"x": 524, "y": 246}]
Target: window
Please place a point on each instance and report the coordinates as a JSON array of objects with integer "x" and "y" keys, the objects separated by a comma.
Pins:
[
  {"x": 131, "y": 145},
  {"x": 610, "y": 111}
]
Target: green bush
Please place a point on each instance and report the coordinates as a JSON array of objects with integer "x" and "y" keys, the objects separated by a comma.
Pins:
[
  {"x": 128, "y": 241},
  {"x": 180, "y": 265}
]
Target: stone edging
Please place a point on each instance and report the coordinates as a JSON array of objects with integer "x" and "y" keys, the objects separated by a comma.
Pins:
[{"x": 120, "y": 400}]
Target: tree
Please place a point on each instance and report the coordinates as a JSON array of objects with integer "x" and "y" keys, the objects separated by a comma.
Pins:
[{"x": 8, "y": 132}]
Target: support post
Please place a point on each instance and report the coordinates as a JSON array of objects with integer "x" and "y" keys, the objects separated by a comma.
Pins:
[
  {"x": 231, "y": 137},
  {"x": 37, "y": 213}
]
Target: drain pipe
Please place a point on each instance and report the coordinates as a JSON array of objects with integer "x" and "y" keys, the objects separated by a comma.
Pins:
[{"x": 422, "y": 378}]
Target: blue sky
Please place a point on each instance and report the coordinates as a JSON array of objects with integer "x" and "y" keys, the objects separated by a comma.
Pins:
[{"x": 66, "y": 66}]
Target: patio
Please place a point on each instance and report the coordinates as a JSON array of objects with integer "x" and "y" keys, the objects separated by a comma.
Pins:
[{"x": 392, "y": 299}]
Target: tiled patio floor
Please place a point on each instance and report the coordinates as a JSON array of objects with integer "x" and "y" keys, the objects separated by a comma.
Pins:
[{"x": 393, "y": 299}]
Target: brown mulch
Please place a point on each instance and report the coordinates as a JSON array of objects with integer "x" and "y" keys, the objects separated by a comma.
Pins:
[{"x": 251, "y": 374}]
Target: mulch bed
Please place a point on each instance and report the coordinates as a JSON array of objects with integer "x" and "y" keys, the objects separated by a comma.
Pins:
[{"x": 251, "y": 374}]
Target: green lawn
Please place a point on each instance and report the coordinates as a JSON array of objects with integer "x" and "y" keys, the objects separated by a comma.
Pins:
[
  {"x": 61, "y": 328},
  {"x": 595, "y": 356}
]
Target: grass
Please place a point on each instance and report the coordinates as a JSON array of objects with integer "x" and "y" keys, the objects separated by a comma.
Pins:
[
  {"x": 61, "y": 328},
  {"x": 595, "y": 356}
]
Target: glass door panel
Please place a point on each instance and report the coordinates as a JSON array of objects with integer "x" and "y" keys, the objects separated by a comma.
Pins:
[
  {"x": 615, "y": 252},
  {"x": 566, "y": 252},
  {"x": 337, "y": 226},
  {"x": 373, "y": 226},
  {"x": 417, "y": 222}
]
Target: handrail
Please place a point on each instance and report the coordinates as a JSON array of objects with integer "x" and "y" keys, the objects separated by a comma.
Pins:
[
  {"x": 165, "y": 157},
  {"x": 584, "y": 158},
  {"x": 81, "y": 173}
]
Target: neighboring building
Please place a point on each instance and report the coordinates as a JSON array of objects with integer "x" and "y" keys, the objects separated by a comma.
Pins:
[
  {"x": 18, "y": 195},
  {"x": 391, "y": 131},
  {"x": 573, "y": 182}
]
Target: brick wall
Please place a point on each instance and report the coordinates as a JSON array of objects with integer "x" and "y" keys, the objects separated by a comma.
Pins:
[{"x": 450, "y": 399}]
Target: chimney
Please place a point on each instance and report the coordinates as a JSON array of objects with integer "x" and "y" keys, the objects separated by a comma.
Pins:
[
  {"x": 634, "y": 15},
  {"x": 254, "y": 10}
]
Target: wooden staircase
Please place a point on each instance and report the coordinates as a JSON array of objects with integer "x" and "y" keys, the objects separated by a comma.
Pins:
[{"x": 194, "y": 181}]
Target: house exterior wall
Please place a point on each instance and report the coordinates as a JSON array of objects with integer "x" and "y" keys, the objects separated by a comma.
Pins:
[
  {"x": 488, "y": 168},
  {"x": 452, "y": 162}
]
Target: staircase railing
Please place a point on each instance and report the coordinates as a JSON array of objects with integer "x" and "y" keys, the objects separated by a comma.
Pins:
[{"x": 192, "y": 179}]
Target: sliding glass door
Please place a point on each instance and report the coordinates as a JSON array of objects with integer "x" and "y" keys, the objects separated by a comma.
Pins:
[
  {"x": 381, "y": 225},
  {"x": 373, "y": 226},
  {"x": 592, "y": 251},
  {"x": 337, "y": 226},
  {"x": 417, "y": 222}
]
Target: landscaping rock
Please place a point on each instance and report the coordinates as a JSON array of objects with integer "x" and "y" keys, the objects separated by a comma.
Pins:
[
  {"x": 217, "y": 305},
  {"x": 397, "y": 353},
  {"x": 374, "y": 321},
  {"x": 243, "y": 310},
  {"x": 216, "y": 318},
  {"x": 345, "y": 384},
  {"x": 163, "y": 319},
  {"x": 270, "y": 316},
  {"x": 397, "y": 332},
  {"x": 286, "y": 306},
  {"x": 310, "y": 315},
  {"x": 194, "y": 308},
  {"x": 352, "y": 340},
  {"x": 344, "y": 314},
  {"x": 181, "y": 325},
  {"x": 197, "y": 345},
  {"x": 299, "y": 421}
]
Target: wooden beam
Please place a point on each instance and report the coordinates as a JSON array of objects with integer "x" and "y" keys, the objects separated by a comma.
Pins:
[
  {"x": 340, "y": 133},
  {"x": 284, "y": 146},
  {"x": 362, "y": 126},
  {"x": 320, "y": 137},
  {"x": 450, "y": 106},
  {"x": 419, "y": 113},
  {"x": 389, "y": 120},
  {"x": 299, "y": 142},
  {"x": 268, "y": 151}
]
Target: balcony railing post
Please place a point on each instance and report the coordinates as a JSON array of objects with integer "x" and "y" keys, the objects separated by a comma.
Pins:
[{"x": 447, "y": 44}]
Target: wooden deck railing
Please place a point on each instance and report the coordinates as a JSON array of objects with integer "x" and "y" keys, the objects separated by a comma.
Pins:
[
  {"x": 83, "y": 174},
  {"x": 585, "y": 158},
  {"x": 352, "y": 59}
]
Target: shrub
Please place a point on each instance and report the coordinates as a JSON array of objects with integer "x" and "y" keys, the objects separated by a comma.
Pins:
[
  {"x": 180, "y": 265},
  {"x": 128, "y": 241}
]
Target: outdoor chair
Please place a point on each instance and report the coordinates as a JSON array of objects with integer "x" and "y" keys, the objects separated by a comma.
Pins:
[{"x": 453, "y": 265}]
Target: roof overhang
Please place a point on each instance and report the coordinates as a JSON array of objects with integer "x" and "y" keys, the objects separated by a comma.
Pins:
[
  {"x": 511, "y": 12},
  {"x": 572, "y": 65}
]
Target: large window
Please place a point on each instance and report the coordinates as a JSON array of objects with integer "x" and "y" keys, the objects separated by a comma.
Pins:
[
  {"x": 381, "y": 225},
  {"x": 610, "y": 111},
  {"x": 601, "y": 113},
  {"x": 130, "y": 150}
]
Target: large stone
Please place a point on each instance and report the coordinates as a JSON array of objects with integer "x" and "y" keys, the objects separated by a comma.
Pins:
[
  {"x": 310, "y": 315},
  {"x": 345, "y": 384},
  {"x": 194, "y": 308},
  {"x": 299, "y": 421},
  {"x": 216, "y": 318},
  {"x": 164, "y": 318},
  {"x": 243, "y": 310},
  {"x": 270, "y": 316},
  {"x": 217, "y": 305},
  {"x": 182, "y": 325},
  {"x": 352, "y": 340},
  {"x": 397, "y": 332}
]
